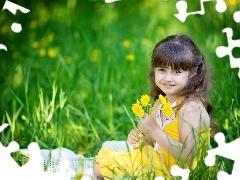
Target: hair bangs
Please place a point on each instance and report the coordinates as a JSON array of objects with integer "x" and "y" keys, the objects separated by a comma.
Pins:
[{"x": 177, "y": 56}]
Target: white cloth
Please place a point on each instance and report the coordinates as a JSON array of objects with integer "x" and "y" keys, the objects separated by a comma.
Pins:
[
  {"x": 52, "y": 161},
  {"x": 118, "y": 145}
]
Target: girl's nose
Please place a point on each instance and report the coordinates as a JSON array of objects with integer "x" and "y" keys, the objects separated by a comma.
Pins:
[{"x": 168, "y": 77}]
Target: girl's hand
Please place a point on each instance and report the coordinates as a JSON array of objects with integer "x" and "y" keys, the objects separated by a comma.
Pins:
[
  {"x": 135, "y": 138},
  {"x": 146, "y": 124}
]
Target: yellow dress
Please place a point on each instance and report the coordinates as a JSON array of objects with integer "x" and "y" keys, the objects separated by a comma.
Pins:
[{"x": 146, "y": 162}]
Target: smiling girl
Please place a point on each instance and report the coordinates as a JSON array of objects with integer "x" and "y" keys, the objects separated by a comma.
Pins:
[{"x": 179, "y": 75}]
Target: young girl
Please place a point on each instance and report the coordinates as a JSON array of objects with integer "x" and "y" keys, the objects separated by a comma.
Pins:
[{"x": 172, "y": 136}]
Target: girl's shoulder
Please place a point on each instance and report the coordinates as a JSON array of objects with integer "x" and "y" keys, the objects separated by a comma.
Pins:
[
  {"x": 193, "y": 104},
  {"x": 194, "y": 111}
]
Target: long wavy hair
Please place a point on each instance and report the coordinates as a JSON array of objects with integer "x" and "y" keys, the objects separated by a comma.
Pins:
[{"x": 180, "y": 52}]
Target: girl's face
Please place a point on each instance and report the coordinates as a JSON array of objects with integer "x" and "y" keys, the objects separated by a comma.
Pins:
[{"x": 171, "y": 81}]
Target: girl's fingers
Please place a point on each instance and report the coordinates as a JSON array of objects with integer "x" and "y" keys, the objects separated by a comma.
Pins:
[
  {"x": 138, "y": 130},
  {"x": 132, "y": 137},
  {"x": 135, "y": 136},
  {"x": 136, "y": 145},
  {"x": 141, "y": 136},
  {"x": 140, "y": 127}
]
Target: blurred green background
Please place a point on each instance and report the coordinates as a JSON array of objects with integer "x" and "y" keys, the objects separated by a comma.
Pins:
[{"x": 69, "y": 75}]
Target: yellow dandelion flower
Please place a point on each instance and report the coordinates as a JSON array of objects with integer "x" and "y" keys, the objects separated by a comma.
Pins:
[
  {"x": 43, "y": 11},
  {"x": 42, "y": 52},
  {"x": 162, "y": 99},
  {"x": 130, "y": 57},
  {"x": 148, "y": 3},
  {"x": 53, "y": 74},
  {"x": 232, "y": 2},
  {"x": 95, "y": 55},
  {"x": 138, "y": 110},
  {"x": 145, "y": 100},
  {"x": 52, "y": 52},
  {"x": 35, "y": 44},
  {"x": 50, "y": 37},
  {"x": 68, "y": 60},
  {"x": 33, "y": 24},
  {"x": 4, "y": 29},
  {"x": 126, "y": 43},
  {"x": 168, "y": 110}
]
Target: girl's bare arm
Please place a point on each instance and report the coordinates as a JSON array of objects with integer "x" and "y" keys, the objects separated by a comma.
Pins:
[{"x": 190, "y": 117}]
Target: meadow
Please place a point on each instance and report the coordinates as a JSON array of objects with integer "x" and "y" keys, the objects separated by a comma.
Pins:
[{"x": 69, "y": 78}]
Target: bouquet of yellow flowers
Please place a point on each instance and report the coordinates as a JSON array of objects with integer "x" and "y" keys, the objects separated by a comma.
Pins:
[
  {"x": 139, "y": 108},
  {"x": 142, "y": 106}
]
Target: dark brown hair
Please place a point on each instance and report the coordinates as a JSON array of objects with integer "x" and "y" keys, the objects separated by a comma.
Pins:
[{"x": 181, "y": 53}]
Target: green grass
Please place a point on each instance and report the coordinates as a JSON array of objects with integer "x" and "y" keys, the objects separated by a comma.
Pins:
[{"x": 66, "y": 80}]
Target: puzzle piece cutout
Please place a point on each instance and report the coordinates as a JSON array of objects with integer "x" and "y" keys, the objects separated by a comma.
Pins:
[
  {"x": 159, "y": 178},
  {"x": 182, "y": 8},
  {"x": 236, "y": 16},
  {"x": 3, "y": 126},
  {"x": 228, "y": 150},
  {"x": 222, "y": 51},
  {"x": 16, "y": 27},
  {"x": 177, "y": 171},
  {"x": 7, "y": 162},
  {"x": 12, "y": 7},
  {"x": 111, "y": 1},
  {"x": 33, "y": 169}
]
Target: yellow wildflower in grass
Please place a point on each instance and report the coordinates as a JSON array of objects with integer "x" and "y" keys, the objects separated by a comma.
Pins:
[
  {"x": 137, "y": 109},
  {"x": 33, "y": 25},
  {"x": 162, "y": 99},
  {"x": 52, "y": 52},
  {"x": 145, "y": 99},
  {"x": 130, "y": 57},
  {"x": 43, "y": 11},
  {"x": 168, "y": 110},
  {"x": 232, "y": 2},
  {"x": 42, "y": 52},
  {"x": 53, "y": 74},
  {"x": 35, "y": 45},
  {"x": 50, "y": 37},
  {"x": 68, "y": 60},
  {"x": 4, "y": 29},
  {"x": 148, "y": 3},
  {"x": 126, "y": 43},
  {"x": 95, "y": 55}
]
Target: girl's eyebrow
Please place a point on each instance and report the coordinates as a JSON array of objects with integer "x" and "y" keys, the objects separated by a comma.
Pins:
[{"x": 161, "y": 67}]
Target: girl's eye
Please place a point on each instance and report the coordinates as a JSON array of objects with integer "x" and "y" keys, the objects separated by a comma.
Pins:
[
  {"x": 161, "y": 69},
  {"x": 177, "y": 71}
]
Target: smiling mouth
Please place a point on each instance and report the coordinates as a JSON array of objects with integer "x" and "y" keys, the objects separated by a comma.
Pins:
[{"x": 168, "y": 85}]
